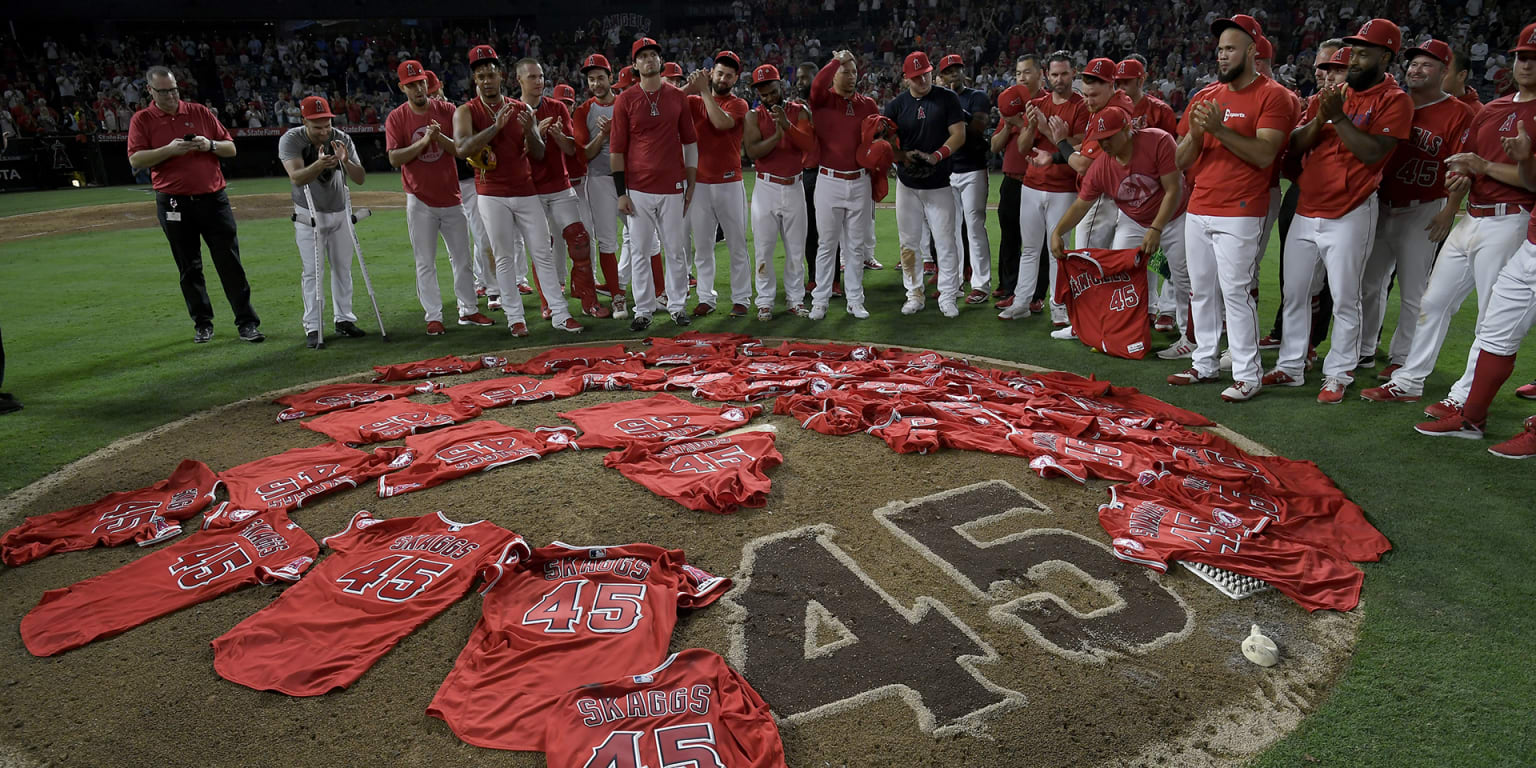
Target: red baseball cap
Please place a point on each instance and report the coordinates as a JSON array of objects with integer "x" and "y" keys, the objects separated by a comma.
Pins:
[
  {"x": 916, "y": 65},
  {"x": 1105, "y": 123},
  {"x": 726, "y": 57},
  {"x": 1380, "y": 33},
  {"x": 1100, "y": 69},
  {"x": 595, "y": 61},
  {"x": 1340, "y": 58},
  {"x": 481, "y": 53},
  {"x": 1012, "y": 100},
  {"x": 314, "y": 107},
  {"x": 671, "y": 69},
  {"x": 1130, "y": 69},
  {"x": 433, "y": 84},
  {"x": 565, "y": 93},
  {"x": 1526, "y": 41},
  {"x": 951, "y": 60},
  {"x": 1248, "y": 24},
  {"x": 410, "y": 71},
  {"x": 1265, "y": 49},
  {"x": 642, "y": 44},
  {"x": 1435, "y": 49},
  {"x": 765, "y": 73},
  {"x": 627, "y": 77}
]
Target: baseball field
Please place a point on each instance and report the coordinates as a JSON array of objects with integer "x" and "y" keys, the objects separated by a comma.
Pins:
[{"x": 1435, "y": 668}]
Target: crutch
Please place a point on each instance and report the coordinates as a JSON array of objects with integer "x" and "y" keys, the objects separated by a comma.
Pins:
[
  {"x": 357, "y": 248},
  {"x": 314, "y": 226}
]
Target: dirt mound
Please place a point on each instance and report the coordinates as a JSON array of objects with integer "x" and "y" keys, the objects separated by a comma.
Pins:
[{"x": 109, "y": 218}]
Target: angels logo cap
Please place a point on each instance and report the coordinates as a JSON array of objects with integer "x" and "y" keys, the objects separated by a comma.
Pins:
[
  {"x": 481, "y": 53},
  {"x": 595, "y": 61},
  {"x": 951, "y": 60},
  {"x": 765, "y": 73},
  {"x": 1105, "y": 123},
  {"x": 916, "y": 65},
  {"x": 1380, "y": 33},
  {"x": 1248, "y": 24},
  {"x": 1435, "y": 49},
  {"x": 1100, "y": 69},
  {"x": 314, "y": 108},
  {"x": 642, "y": 44},
  {"x": 1130, "y": 69},
  {"x": 410, "y": 71}
]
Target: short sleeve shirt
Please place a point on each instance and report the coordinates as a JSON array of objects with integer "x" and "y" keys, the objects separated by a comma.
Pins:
[
  {"x": 326, "y": 190},
  {"x": 432, "y": 176},
  {"x": 923, "y": 124},
  {"x": 195, "y": 173},
  {"x": 1223, "y": 184}
]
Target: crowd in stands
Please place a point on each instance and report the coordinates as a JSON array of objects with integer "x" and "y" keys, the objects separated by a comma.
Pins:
[{"x": 91, "y": 84}]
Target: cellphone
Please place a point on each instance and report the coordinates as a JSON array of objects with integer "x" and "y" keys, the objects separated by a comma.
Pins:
[
  {"x": 330, "y": 149},
  {"x": 189, "y": 137}
]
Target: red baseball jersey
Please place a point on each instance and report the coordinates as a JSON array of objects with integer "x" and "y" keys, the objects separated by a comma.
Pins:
[
  {"x": 510, "y": 390},
  {"x": 834, "y": 412},
  {"x": 649, "y": 130},
  {"x": 1096, "y": 396},
  {"x": 386, "y": 578},
  {"x": 715, "y": 474},
  {"x": 657, "y": 419},
  {"x": 615, "y": 377},
  {"x": 550, "y": 174},
  {"x": 1224, "y": 184},
  {"x": 705, "y": 337},
  {"x": 290, "y": 478},
  {"x": 512, "y": 173},
  {"x": 432, "y": 177},
  {"x": 1057, "y": 178},
  {"x": 1136, "y": 187},
  {"x": 1416, "y": 172},
  {"x": 1499, "y": 119},
  {"x": 910, "y": 426},
  {"x": 148, "y": 515},
  {"x": 1106, "y": 296},
  {"x": 437, "y": 366},
  {"x": 1333, "y": 180},
  {"x": 666, "y": 352},
  {"x": 1152, "y": 112},
  {"x": 838, "y": 121},
  {"x": 1152, "y": 530},
  {"x": 788, "y": 156},
  {"x": 572, "y": 614},
  {"x": 693, "y": 710},
  {"x": 334, "y": 397},
  {"x": 235, "y": 547},
  {"x": 719, "y": 151},
  {"x": 561, "y": 358},
  {"x": 437, "y": 457},
  {"x": 389, "y": 420}
]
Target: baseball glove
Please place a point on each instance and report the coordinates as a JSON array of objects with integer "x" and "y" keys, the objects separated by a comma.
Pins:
[{"x": 483, "y": 161}]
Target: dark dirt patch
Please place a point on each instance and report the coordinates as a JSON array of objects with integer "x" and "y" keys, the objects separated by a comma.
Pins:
[{"x": 118, "y": 216}]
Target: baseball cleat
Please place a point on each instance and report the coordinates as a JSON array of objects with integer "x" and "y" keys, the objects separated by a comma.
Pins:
[
  {"x": 872, "y": 263},
  {"x": 799, "y": 310},
  {"x": 596, "y": 309},
  {"x": 764, "y": 314},
  {"x": 480, "y": 292},
  {"x": 1001, "y": 294},
  {"x": 1037, "y": 306},
  {"x": 976, "y": 296},
  {"x": 837, "y": 289},
  {"x": 738, "y": 310},
  {"x": 1386, "y": 373},
  {"x": 1225, "y": 361},
  {"x": 1451, "y": 426},
  {"x": 1332, "y": 392},
  {"x": 202, "y": 334},
  {"x": 1014, "y": 311},
  {"x": 640, "y": 323},
  {"x": 518, "y": 329},
  {"x": 1269, "y": 342},
  {"x": 1163, "y": 323},
  {"x": 1521, "y": 446},
  {"x": 1191, "y": 376},
  {"x": 818, "y": 311},
  {"x": 546, "y": 313},
  {"x": 912, "y": 306},
  {"x": 1527, "y": 392},
  {"x": 350, "y": 330},
  {"x": 1450, "y": 406},
  {"x": 1064, "y": 334},
  {"x": 1240, "y": 391},
  {"x": 1004, "y": 303},
  {"x": 493, "y": 303},
  {"x": 680, "y": 318},
  {"x": 1367, "y": 362},
  {"x": 949, "y": 309},
  {"x": 312, "y": 340},
  {"x": 1279, "y": 378},
  {"x": 569, "y": 325},
  {"x": 476, "y": 319},
  {"x": 249, "y": 332},
  {"x": 1180, "y": 349},
  {"x": 620, "y": 308},
  {"x": 702, "y": 309},
  {"x": 1389, "y": 393},
  {"x": 525, "y": 289},
  {"x": 435, "y": 328},
  {"x": 857, "y": 310},
  {"x": 1058, "y": 315}
]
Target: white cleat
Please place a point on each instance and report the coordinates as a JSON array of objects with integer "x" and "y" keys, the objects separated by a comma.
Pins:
[
  {"x": 912, "y": 307},
  {"x": 1015, "y": 311},
  {"x": 1181, "y": 349},
  {"x": 949, "y": 309},
  {"x": 1064, "y": 334},
  {"x": 818, "y": 311}
]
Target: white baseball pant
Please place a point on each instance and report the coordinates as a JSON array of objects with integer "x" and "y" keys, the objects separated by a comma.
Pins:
[
  {"x": 603, "y": 200},
  {"x": 1402, "y": 244},
  {"x": 1128, "y": 234},
  {"x": 1038, "y": 213},
  {"x": 844, "y": 220},
  {"x": 1342, "y": 246},
  {"x": 1270, "y": 217},
  {"x": 1511, "y": 308},
  {"x": 778, "y": 212},
  {"x": 723, "y": 205},
  {"x": 485, "y": 272},
  {"x": 424, "y": 223},
  {"x": 1222, "y": 255},
  {"x": 658, "y": 215},
  {"x": 971, "y": 210},
  {"x": 1474, "y": 253},
  {"x": 935, "y": 209},
  {"x": 336, "y": 247},
  {"x": 1097, "y": 229},
  {"x": 508, "y": 220}
]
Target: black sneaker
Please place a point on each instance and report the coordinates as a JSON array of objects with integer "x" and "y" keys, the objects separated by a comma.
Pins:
[
  {"x": 680, "y": 318},
  {"x": 312, "y": 340},
  {"x": 8, "y": 404},
  {"x": 202, "y": 335},
  {"x": 350, "y": 330},
  {"x": 640, "y": 323},
  {"x": 249, "y": 332}
]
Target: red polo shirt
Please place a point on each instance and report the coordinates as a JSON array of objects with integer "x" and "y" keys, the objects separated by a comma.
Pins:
[{"x": 195, "y": 173}]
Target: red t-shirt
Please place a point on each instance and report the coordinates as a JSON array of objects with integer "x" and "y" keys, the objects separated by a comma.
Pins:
[
  {"x": 656, "y": 419},
  {"x": 389, "y": 420},
  {"x": 1223, "y": 184},
  {"x": 510, "y": 390},
  {"x": 148, "y": 515},
  {"x": 562, "y": 358},
  {"x": 692, "y": 710},
  {"x": 290, "y": 478},
  {"x": 601, "y": 610},
  {"x": 788, "y": 157},
  {"x": 1416, "y": 172},
  {"x": 1497, "y": 120},
  {"x": 717, "y": 474},
  {"x": 1057, "y": 178},
  {"x": 513, "y": 174},
  {"x": 437, "y": 366},
  {"x": 1152, "y": 112},
  {"x": 1137, "y": 188},
  {"x": 838, "y": 121},
  {"x": 1333, "y": 180},
  {"x": 334, "y": 397},
  {"x": 649, "y": 130},
  {"x": 1106, "y": 296},
  {"x": 386, "y": 578},
  {"x": 1469, "y": 97},
  {"x": 432, "y": 177},
  {"x": 550, "y": 174},
  {"x": 719, "y": 151},
  {"x": 437, "y": 457},
  {"x": 195, "y": 173},
  {"x": 236, "y": 547}
]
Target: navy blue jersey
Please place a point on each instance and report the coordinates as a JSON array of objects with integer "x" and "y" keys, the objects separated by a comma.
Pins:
[
  {"x": 923, "y": 124},
  {"x": 972, "y": 156}
]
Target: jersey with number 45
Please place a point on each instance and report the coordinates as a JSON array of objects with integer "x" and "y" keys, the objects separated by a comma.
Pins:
[
  {"x": 693, "y": 710},
  {"x": 713, "y": 474},
  {"x": 1106, "y": 296},
  {"x": 656, "y": 419},
  {"x": 288, "y": 479},
  {"x": 386, "y": 578},
  {"x": 572, "y": 615}
]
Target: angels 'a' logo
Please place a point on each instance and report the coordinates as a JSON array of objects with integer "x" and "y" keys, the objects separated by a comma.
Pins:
[
  {"x": 1101, "y": 123},
  {"x": 922, "y": 114},
  {"x": 1138, "y": 189},
  {"x": 1509, "y": 122},
  {"x": 433, "y": 152},
  {"x": 242, "y": 515},
  {"x": 1131, "y": 544},
  {"x": 368, "y": 521},
  {"x": 733, "y": 414},
  {"x": 1226, "y": 519}
]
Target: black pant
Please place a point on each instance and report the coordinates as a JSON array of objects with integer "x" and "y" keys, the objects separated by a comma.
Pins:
[
  {"x": 187, "y": 218},
  {"x": 808, "y": 181},
  {"x": 1322, "y": 308},
  {"x": 1009, "y": 246}
]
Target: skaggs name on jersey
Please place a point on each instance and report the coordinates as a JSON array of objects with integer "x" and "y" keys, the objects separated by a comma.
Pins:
[
  {"x": 566, "y": 567},
  {"x": 264, "y": 538},
  {"x": 652, "y": 703},
  {"x": 437, "y": 543}
]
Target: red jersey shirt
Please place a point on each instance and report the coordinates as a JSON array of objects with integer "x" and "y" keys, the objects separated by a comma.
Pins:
[
  {"x": 649, "y": 130},
  {"x": 432, "y": 177},
  {"x": 195, "y": 173},
  {"x": 290, "y": 478},
  {"x": 512, "y": 175},
  {"x": 435, "y": 458},
  {"x": 1498, "y": 119},
  {"x": 719, "y": 151},
  {"x": 1416, "y": 172},
  {"x": 386, "y": 578},
  {"x": 788, "y": 157},
  {"x": 657, "y": 419},
  {"x": 691, "y": 710},
  {"x": 550, "y": 174},
  {"x": 437, "y": 366},
  {"x": 1106, "y": 296},
  {"x": 148, "y": 515},
  {"x": 1223, "y": 184},
  {"x": 1057, "y": 178},
  {"x": 511, "y": 390},
  {"x": 838, "y": 120},
  {"x": 717, "y": 474},
  {"x": 1469, "y": 97},
  {"x": 1152, "y": 112},
  {"x": 389, "y": 420},
  {"x": 571, "y": 614},
  {"x": 562, "y": 358},
  {"x": 236, "y": 547},
  {"x": 1333, "y": 180},
  {"x": 334, "y": 397},
  {"x": 1137, "y": 187}
]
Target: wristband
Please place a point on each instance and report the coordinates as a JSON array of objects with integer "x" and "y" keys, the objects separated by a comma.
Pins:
[
  {"x": 942, "y": 154},
  {"x": 1065, "y": 148},
  {"x": 618, "y": 184}
]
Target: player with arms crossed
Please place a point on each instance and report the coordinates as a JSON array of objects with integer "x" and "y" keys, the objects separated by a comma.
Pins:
[
  {"x": 843, "y": 200},
  {"x": 778, "y": 136}
]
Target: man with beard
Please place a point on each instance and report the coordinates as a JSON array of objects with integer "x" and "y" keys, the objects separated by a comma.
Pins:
[
  {"x": 843, "y": 200},
  {"x": 418, "y": 146},
  {"x": 721, "y": 199},
  {"x": 654, "y": 156},
  {"x": 968, "y": 180},
  {"x": 1010, "y": 104},
  {"x": 805, "y": 74},
  {"x": 1498, "y": 206},
  {"x": 778, "y": 136},
  {"x": 1232, "y": 132},
  {"x": 1414, "y": 218},
  {"x": 591, "y": 123},
  {"x": 1349, "y": 142},
  {"x": 500, "y": 137},
  {"x": 483, "y": 264}
]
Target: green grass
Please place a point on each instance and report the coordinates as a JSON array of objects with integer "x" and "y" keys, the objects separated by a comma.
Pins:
[{"x": 99, "y": 347}]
